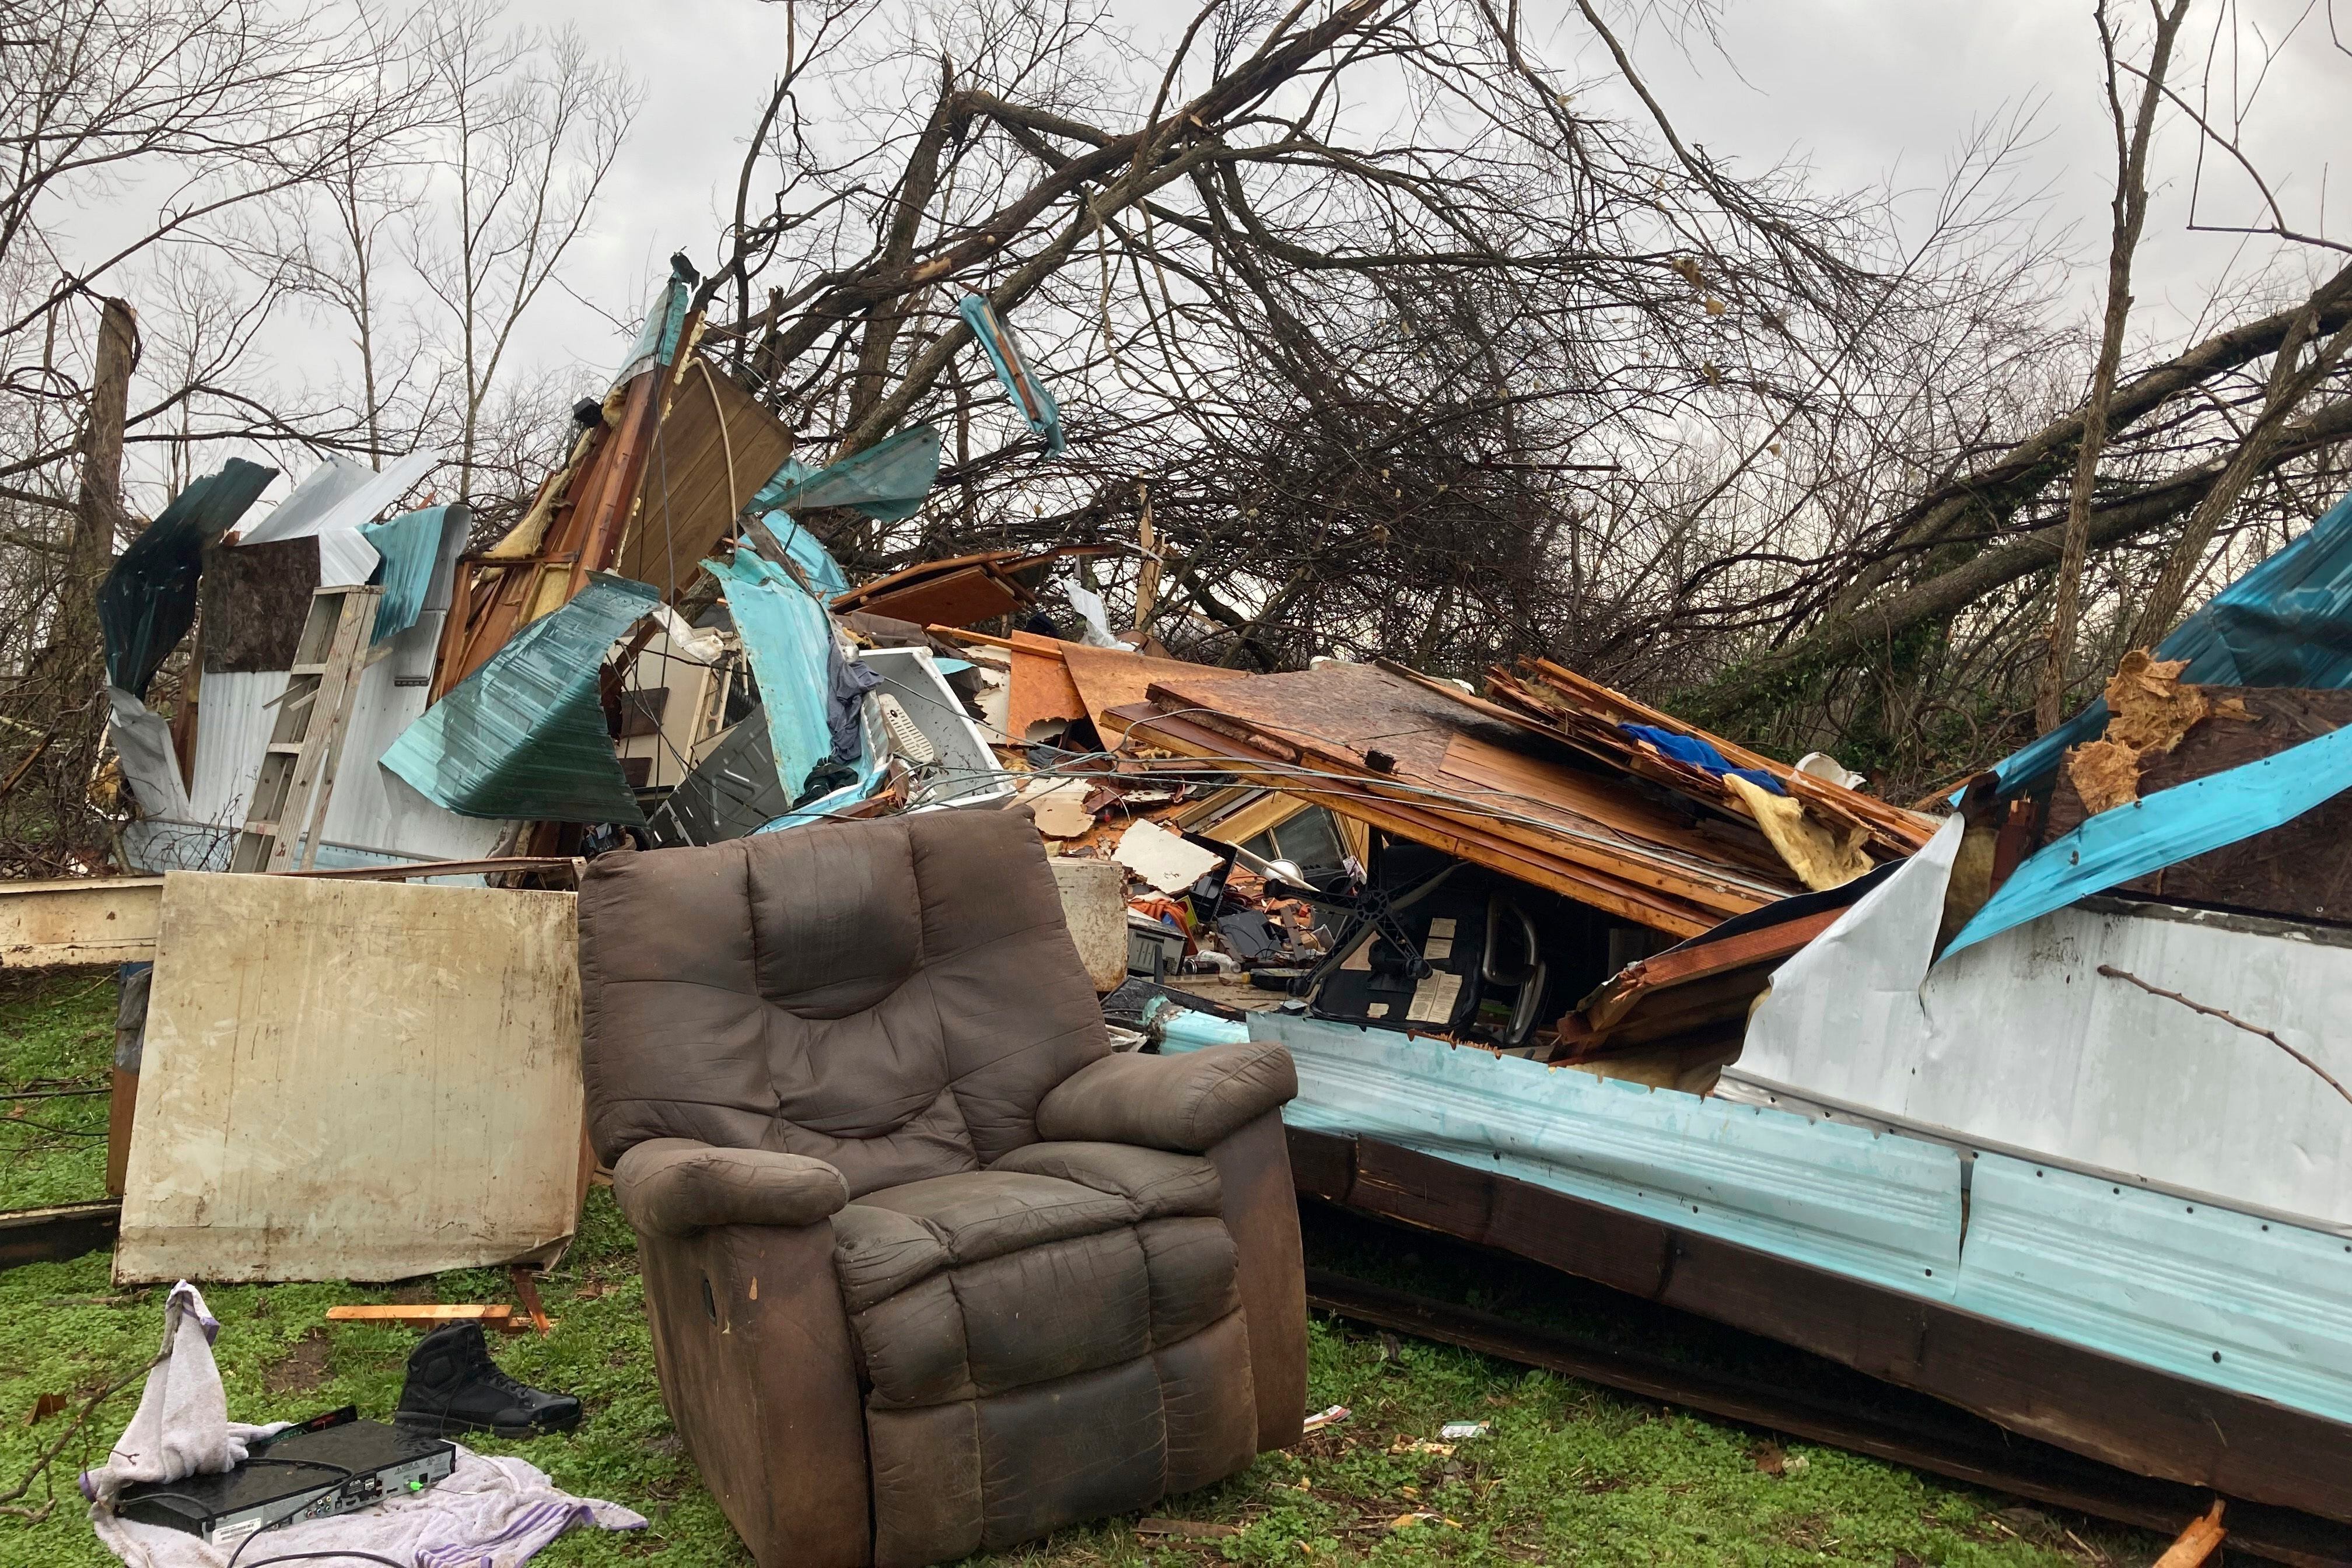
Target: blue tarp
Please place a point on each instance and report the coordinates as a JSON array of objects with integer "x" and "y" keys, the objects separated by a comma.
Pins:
[
  {"x": 2287, "y": 623},
  {"x": 149, "y": 600},
  {"x": 789, "y": 637},
  {"x": 1699, "y": 753},
  {"x": 524, "y": 738},
  {"x": 2165, "y": 829},
  {"x": 410, "y": 545},
  {"x": 1028, "y": 394},
  {"x": 888, "y": 481}
]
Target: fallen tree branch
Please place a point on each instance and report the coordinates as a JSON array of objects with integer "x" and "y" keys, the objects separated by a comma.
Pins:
[{"x": 2112, "y": 972}]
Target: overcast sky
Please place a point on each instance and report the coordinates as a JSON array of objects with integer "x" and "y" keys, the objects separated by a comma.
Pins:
[{"x": 1863, "y": 91}]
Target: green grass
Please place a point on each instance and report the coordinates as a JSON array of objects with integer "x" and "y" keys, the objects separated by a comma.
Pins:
[
  {"x": 57, "y": 1034},
  {"x": 1567, "y": 1473}
]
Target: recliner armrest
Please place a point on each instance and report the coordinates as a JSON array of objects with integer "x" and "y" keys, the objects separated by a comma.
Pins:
[
  {"x": 1188, "y": 1103},
  {"x": 677, "y": 1187}
]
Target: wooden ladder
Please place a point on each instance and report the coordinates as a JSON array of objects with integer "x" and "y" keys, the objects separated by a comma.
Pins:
[{"x": 297, "y": 767}]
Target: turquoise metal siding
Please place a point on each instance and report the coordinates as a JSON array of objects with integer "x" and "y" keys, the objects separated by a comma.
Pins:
[{"x": 2106, "y": 1266}]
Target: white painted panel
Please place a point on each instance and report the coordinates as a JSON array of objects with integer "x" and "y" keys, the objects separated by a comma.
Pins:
[{"x": 2019, "y": 1043}]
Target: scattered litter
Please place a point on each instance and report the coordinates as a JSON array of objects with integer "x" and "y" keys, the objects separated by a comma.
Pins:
[
  {"x": 1329, "y": 1415},
  {"x": 44, "y": 1408},
  {"x": 1422, "y": 1445},
  {"x": 1463, "y": 1431}
]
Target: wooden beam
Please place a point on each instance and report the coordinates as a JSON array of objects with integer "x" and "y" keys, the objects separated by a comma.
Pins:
[{"x": 81, "y": 920}]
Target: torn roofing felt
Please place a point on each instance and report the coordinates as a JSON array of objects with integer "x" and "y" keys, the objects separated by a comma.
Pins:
[
  {"x": 888, "y": 481},
  {"x": 1028, "y": 394},
  {"x": 2288, "y": 622},
  {"x": 789, "y": 639},
  {"x": 524, "y": 737},
  {"x": 411, "y": 547},
  {"x": 2147, "y": 834},
  {"x": 149, "y": 600}
]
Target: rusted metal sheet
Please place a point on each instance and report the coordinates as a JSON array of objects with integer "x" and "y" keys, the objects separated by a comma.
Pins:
[
  {"x": 108, "y": 920},
  {"x": 353, "y": 1080}
]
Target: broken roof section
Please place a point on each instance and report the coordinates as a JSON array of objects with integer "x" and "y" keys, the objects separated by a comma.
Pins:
[
  {"x": 1576, "y": 810},
  {"x": 524, "y": 736}
]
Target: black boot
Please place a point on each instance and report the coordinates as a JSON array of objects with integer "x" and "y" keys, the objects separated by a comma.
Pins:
[{"x": 454, "y": 1387}]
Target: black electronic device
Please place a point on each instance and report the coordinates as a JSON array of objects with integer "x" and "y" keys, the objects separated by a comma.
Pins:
[{"x": 330, "y": 1464}]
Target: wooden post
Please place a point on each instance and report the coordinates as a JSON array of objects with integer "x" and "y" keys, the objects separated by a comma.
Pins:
[
  {"x": 99, "y": 508},
  {"x": 1146, "y": 580}
]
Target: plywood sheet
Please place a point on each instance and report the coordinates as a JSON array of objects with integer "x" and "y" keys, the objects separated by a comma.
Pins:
[
  {"x": 353, "y": 1080},
  {"x": 1106, "y": 679},
  {"x": 1043, "y": 690},
  {"x": 714, "y": 448}
]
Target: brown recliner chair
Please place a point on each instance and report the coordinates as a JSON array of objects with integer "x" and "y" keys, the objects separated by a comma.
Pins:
[{"x": 929, "y": 1269}]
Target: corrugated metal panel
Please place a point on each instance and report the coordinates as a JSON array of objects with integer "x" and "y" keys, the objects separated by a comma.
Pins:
[
  {"x": 413, "y": 545},
  {"x": 2021, "y": 1045},
  {"x": 524, "y": 736},
  {"x": 1879, "y": 1208},
  {"x": 372, "y": 817},
  {"x": 888, "y": 481},
  {"x": 2158, "y": 1281},
  {"x": 2260, "y": 1307},
  {"x": 786, "y": 635},
  {"x": 2288, "y": 622},
  {"x": 332, "y": 502}
]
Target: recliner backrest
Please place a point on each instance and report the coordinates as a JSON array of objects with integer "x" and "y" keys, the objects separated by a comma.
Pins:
[{"x": 893, "y": 997}]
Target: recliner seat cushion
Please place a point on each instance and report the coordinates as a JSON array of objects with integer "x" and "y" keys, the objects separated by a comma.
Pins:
[{"x": 891, "y": 998}]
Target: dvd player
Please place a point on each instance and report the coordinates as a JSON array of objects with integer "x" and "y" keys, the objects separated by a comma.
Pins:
[{"x": 328, "y": 1465}]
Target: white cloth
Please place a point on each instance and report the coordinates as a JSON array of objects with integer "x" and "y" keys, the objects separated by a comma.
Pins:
[
  {"x": 490, "y": 1513},
  {"x": 182, "y": 1426}
]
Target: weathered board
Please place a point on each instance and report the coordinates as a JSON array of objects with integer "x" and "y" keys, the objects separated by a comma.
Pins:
[
  {"x": 81, "y": 919},
  {"x": 353, "y": 1080}
]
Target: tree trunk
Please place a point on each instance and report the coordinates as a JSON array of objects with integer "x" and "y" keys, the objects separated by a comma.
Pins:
[
  {"x": 2130, "y": 215},
  {"x": 98, "y": 510}
]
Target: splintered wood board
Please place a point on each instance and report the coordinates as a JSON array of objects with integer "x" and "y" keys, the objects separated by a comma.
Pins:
[{"x": 353, "y": 1080}]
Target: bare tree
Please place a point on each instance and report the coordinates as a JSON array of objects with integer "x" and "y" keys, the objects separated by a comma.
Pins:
[
  {"x": 530, "y": 125},
  {"x": 2130, "y": 215}
]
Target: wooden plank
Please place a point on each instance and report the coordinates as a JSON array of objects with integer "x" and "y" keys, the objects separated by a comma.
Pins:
[
  {"x": 82, "y": 920},
  {"x": 1105, "y": 678},
  {"x": 1585, "y": 884},
  {"x": 714, "y": 449},
  {"x": 959, "y": 598},
  {"x": 2110, "y": 1410},
  {"x": 2300, "y": 870},
  {"x": 1042, "y": 691},
  {"x": 455, "y": 1313},
  {"x": 408, "y": 870},
  {"x": 353, "y": 1080},
  {"x": 55, "y": 1234}
]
